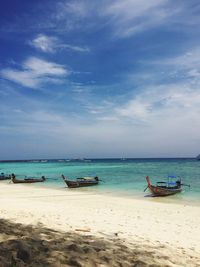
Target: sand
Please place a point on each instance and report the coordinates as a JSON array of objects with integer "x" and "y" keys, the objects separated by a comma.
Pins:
[{"x": 62, "y": 227}]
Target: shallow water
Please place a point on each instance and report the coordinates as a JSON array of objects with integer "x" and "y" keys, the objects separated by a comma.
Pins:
[{"x": 124, "y": 177}]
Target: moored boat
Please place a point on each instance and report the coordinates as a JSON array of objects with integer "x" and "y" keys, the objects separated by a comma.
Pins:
[
  {"x": 165, "y": 188},
  {"x": 81, "y": 182},
  {"x": 4, "y": 176},
  {"x": 26, "y": 180}
]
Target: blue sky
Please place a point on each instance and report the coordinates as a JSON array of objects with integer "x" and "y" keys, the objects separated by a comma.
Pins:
[{"x": 99, "y": 79}]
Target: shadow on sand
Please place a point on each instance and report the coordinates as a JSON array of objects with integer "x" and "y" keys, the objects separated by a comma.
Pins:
[
  {"x": 22, "y": 245},
  {"x": 37, "y": 246}
]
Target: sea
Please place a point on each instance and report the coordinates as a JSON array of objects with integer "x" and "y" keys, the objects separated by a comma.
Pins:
[{"x": 124, "y": 177}]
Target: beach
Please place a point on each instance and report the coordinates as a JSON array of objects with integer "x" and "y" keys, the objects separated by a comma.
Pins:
[{"x": 61, "y": 227}]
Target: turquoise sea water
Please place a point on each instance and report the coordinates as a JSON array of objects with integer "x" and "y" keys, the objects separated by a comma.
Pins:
[{"x": 124, "y": 177}]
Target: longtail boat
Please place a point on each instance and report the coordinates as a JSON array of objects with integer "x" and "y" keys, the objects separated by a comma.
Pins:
[
  {"x": 26, "y": 180},
  {"x": 81, "y": 182},
  {"x": 4, "y": 176},
  {"x": 165, "y": 188}
]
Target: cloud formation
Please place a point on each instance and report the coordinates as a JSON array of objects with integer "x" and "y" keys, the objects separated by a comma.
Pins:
[
  {"x": 125, "y": 18},
  {"x": 134, "y": 88},
  {"x": 34, "y": 72},
  {"x": 45, "y": 43},
  {"x": 50, "y": 44},
  {"x": 130, "y": 17}
]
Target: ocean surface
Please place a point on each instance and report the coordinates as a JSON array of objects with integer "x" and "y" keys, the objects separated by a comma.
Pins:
[{"x": 124, "y": 177}]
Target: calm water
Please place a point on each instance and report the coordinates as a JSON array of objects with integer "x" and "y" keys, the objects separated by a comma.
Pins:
[{"x": 125, "y": 177}]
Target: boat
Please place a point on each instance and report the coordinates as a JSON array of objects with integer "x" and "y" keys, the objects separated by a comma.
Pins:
[
  {"x": 81, "y": 182},
  {"x": 165, "y": 188},
  {"x": 4, "y": 176},
  {"x": 26, "y": 180},
  {"x": 198, "y": 157}
]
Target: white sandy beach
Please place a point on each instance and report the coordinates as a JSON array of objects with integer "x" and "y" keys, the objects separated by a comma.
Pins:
[{"x": 156, "y": 233}]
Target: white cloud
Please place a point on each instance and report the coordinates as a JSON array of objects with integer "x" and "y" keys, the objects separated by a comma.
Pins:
[
  {"x": 188, "y": 61},
  {"x": 157, "y": 121},
  {"x": 35, "y": 72},
  {"x": 152, "y": 108},
  {"x": 125, "y": 18},
  {"x": 76, "y": 48},
  {"x": 184, "y": 67},
  {"x": 50, "y": 44},
  {"x": 129, "y": 17},
  {"x": 25, "y": 78},
  {"x": 43, "y": 67},
  {"x": 170, "y": 127},
  {"x": 135, "y": 109},
  {"x": 77, "y": 8},
  {"x": 44, "y": 43},
  {"x": 162, "y": 102}
]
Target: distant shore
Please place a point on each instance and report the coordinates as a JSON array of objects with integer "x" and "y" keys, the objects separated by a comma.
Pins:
[
  {"x": 43, "y": 160},
  {"x": 160, "y": 228}
]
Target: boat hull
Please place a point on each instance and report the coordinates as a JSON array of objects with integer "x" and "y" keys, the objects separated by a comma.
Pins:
[
  {"x": 81, "y": 182},
  {"x": 27, "y": 180},
  {"x": 164, "y": 190},
  {"x": 159, "y": 191},
  {"x": 5, "y": 178},
  {"x": 75, "y": 184}
]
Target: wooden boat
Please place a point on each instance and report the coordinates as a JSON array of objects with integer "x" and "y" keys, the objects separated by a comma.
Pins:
[
  {"x": 165, "y": 188},
  {"x": 4, "y": 177},
  {"x": 81, "y": 182},
  {"x": 26, "y": 180}
]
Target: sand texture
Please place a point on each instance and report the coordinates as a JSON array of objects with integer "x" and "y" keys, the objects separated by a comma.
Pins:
[{"x": 51, "y": 227}]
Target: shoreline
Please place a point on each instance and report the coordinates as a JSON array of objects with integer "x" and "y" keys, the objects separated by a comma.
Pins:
[
  {"x": 138, "y": 221},
  {"x": 178, "y": 199}
]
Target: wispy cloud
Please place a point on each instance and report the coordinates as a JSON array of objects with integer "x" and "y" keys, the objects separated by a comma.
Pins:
[
  {"x": 76, "y": 8},
  {"x": 76, "y": 48},
  {"x": 124, "y": 18},
  {"x": 35, "y": 72},
  {"x": 149, "y": 106},
  {"x": 44, "y": 43},
  {"x": 50, "y": 44},
  {"x": 130, "y": 17},
  {"x": 141, "y": 95},
  {"x": 42, "y": 67},
  {"x": 189, "y": 61},
  {"x": 152, "y": 121},
  {"x": 162, "y": 102},
  {"x": 168, "y": 88},
  {"x": 182, "y": 67}
]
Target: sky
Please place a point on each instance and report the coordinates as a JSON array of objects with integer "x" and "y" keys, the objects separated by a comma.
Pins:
[{"x": 99, "y": 79}]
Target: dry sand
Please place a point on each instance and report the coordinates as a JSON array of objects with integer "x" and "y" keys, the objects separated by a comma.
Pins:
[{"x": 51, "y": 227}]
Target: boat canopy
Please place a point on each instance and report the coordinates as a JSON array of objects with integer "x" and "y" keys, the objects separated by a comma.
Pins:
[{"x": 170, "y": 180}]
